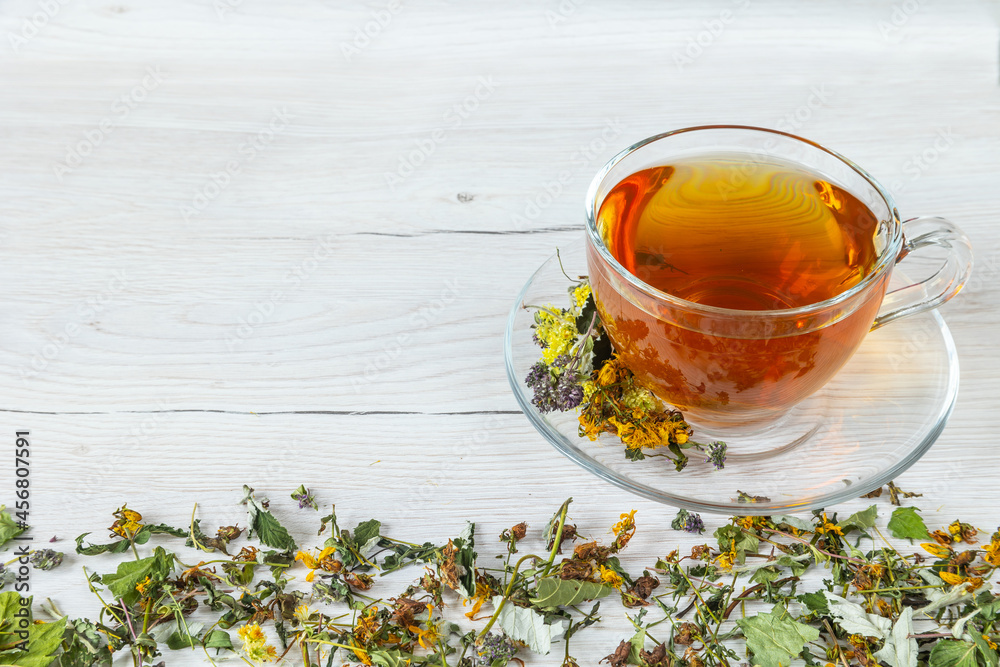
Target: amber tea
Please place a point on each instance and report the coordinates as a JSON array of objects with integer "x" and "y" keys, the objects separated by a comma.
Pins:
[
  {"x": 742, "y": 235},
  {"x": 739, "y": 235}
]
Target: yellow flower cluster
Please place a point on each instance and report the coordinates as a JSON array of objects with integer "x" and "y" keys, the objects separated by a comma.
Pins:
[
  {"x": 143, "y": 585},
  {"x": 623, "y": 530},
  {"x": 627, "y": 523},
  {"x": 324, "y": 561},
  {"x": 367, "y": 626},
  {"x": 556, "y": 331},
  {"x": 614, "y": 403},
  {"x": 726, "y": 560},
  {"x": 992, "y": 555},
  {"x": 127, "y": 522},
  {"x": 302, "y": 613},
  {"x": 483, "y": 593},
  {"x": 255, "y": 643},
  {"x": 751, "y": 522},
  {"x": 827, "y": 527},
  {"x": 431, "y": 631},
  {"x": 611, "y": 577}
]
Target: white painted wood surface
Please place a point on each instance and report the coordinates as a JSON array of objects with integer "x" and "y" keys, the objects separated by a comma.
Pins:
[{"x": 306, "y": 321}]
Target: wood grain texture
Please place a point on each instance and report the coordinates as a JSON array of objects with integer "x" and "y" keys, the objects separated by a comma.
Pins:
[{"x": 213, "y": 222}]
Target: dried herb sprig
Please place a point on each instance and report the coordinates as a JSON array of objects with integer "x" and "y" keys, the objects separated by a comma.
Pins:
[{"x": 580, "y": 370}]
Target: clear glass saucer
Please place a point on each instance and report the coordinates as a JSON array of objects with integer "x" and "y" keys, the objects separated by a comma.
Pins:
[{"x": 874, "y": 420}]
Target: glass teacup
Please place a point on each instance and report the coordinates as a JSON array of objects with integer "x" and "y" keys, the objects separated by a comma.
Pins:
[{"x": 727, "y": 367}]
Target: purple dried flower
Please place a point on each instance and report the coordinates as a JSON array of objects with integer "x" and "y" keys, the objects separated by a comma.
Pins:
[
  {"x": 494, "y": 647},
  {"x": 562, "y": 361},
  {"x": 304, "y": 497},
  {"x": 540, "y": 381},
  {"x": 689, "y": 522},
  {"x": 538, "y": 376},
  {"x": 716, "y": 454},
  {"x": 694, "y": 524},
  {"x": 568, "y": 392}
]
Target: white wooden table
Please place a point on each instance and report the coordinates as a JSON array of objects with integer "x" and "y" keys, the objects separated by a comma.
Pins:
[{"x": 276, "y": 243}]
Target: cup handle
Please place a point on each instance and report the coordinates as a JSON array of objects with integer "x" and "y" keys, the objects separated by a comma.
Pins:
[{"x": 944, "y": 283}]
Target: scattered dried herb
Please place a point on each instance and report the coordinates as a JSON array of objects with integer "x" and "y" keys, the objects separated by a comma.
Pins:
[{"x": 739, "y": 601}]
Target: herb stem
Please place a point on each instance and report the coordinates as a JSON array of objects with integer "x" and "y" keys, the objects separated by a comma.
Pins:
[
  {"x": 836, "y": 644},
  {"x": 750, "y": 591},
  {"x": 697, "y": 594},
  {"x": 506, "y": 594},
  {"x": 557, "y": 542},
  {"x": 893, "y": 589},
  {"x": 194, "y": 538},
  {"x": 808, "y": 544},
  {"x": 546, "y": 309}
]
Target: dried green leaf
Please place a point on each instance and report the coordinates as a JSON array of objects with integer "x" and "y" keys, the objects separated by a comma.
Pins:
[
  {"x": 218, "y": 639},
  {"x": 83, "y": 646},
  {"x": 118, "y": 547},
  {"x": 391, "y": 658},
  {"x": 862, "y": 520},
  {"x": 9, "y": 529},
  {"x": 953, "y": 653},
  {"x": 267, "y": 528},
  {"x": 563, "y": 592},
  {"x": 815, "y": 601},
  {"x": 527, "y": 625},
  {"x": 987, "y": 652},
  {"x": 122, "y": 582},
  {"x": 44, "y": 639},
  {"x": 775, "y": 638},
  {"x": 900, "y": 650},
  {"x": 855, "y": 620},
  {"x": 366, "y": 536},
  {"x": 794, "y": 522},
  {"x": 905, "y": 523}
]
